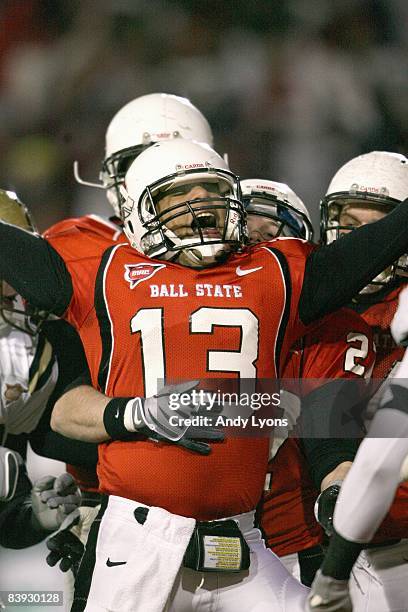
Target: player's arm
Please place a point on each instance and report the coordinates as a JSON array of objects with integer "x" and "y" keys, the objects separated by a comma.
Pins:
[
  {"x": 332, "y": 428},
  {"x": 86, "y": 414},
  {"x": 336, "y": 272},
  {"x": 52, "y": 445},
  {"x": 28, "y": 514},
  {"x": 78, "y": 414},
  {"x": 34, "y": 269}
]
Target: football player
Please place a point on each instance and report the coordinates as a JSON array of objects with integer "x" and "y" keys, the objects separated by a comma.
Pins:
[
  {"x": 364, "y": 190},
  {"x": 28, "y": 381},
  {"x": 361, "y": 509},
  {"x": 160, "y": 223},
  {"x": 339, "y": 347},
  {"x": 136, "y": 126}
]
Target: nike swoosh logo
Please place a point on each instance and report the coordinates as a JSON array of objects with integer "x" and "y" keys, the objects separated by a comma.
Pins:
[
  {"x": 241, "y": 272},
  {"x": 110, "y": 563}
]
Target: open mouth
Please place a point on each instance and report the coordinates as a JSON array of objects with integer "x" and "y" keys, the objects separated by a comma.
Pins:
[{"x": 206, "y": 222}]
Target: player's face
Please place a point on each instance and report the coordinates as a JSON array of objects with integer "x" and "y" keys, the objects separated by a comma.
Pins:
[
  {"x": 358, "y": 214},
  {"x": 261, "y": 228},
  {"x": 210, "y": 220}
]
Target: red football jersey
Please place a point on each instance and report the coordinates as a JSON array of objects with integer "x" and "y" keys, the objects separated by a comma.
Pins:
[
  {"x": 340, "y": 347},
  {"x": 379, "y": 317},
  {"x": 94, "y": 228},
  {"x": 142, "y": 320}
]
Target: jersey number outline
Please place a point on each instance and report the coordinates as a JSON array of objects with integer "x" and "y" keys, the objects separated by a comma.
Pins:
[
  {"x": 149, "y": 322},
  {"x": 354, "y": 352}
]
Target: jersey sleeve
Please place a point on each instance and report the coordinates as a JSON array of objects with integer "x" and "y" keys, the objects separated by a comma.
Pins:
[
  {"x": 81, "y": 246},
  {"x": 34, "y": 269}
]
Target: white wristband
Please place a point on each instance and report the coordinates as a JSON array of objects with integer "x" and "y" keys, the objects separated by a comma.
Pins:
[{"x": 132, "y": 416}]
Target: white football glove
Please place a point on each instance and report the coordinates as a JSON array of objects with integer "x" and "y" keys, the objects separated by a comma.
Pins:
[
  {"x": 10, "y": 462},
  {"x": 329, "y": 595},
  {"x": 53, "y": 499}
]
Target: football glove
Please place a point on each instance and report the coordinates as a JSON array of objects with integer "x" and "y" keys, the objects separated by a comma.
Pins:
[
  {"x": 67, "y": 545},
  {"x": 10, "y": 462},
  {"x": 325, "y": 504},
  {"x": 164, "y": 417},
  {"x": 53, "y": 499},
  {"x": 329, "y": 595}
]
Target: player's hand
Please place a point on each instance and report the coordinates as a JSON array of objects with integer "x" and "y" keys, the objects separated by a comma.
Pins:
[
  {"x": 65, "y": 546},
  {"x": 329, "y": 595},
  {"x": 53, "y": 499},
  {"x": 10, "y": 462},
  {"x": 399, "y": 324},
  {"x": 324, "y": 506},
  {"x": 166, "y": 416}
]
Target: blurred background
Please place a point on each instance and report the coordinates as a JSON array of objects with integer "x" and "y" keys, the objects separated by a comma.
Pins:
[{"x": 292, "y": 89}]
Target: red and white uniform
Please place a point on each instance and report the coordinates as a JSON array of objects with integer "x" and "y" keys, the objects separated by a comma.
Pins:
[
  {"x": 142, "y": 320},
  {"x": 340, "y": 347}
]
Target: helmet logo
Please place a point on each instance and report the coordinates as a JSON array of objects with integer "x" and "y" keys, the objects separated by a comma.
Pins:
[
  {"x": 182, "y": 167},
  {"x": 137, "y": 273},
  {"x": 265, "y": 187},
  {"x": 355, "y": 187},
  {"x": 161, "y": 136}
]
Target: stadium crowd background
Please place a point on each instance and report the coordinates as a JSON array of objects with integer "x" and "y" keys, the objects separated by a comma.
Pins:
[{"x": 292, "y": 89}]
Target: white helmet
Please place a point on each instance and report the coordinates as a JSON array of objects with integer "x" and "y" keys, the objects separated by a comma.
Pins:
[
  {"x": 142, "y": 122},
  {"x": 198, "y": 232},
  {"x": 278, "y": 202},
  {"x": 13, "y": 311},
  {"x": 379, "y": 178}
]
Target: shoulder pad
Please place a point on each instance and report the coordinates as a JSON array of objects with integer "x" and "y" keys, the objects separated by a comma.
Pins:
[{"x": 10, "y": 462}]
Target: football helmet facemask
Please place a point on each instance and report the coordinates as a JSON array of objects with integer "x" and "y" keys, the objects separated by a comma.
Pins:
[
  {"x": 182, "y": 203},
  {"x": 277, "y": 203},
  {"x": 142, "y": 122},
  {"x": 13, "y": 311},
  {"x": 378, "y": 179}
]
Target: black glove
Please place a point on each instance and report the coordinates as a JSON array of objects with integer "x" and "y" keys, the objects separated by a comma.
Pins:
[
  {"x": 325, "y": 504},
  {"x": 65, "y": 547}
]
